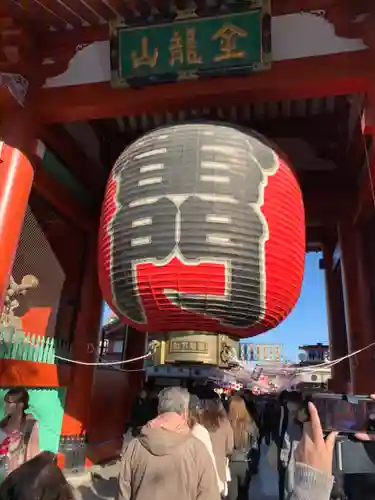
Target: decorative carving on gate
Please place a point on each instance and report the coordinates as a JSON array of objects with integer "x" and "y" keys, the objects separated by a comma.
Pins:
[
  {"x": 16, "y": 84},
  {"x": 13, "y": 299}
]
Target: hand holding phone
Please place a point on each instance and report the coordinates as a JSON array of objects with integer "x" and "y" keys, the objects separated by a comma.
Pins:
[{"x": 313, "y": 450}]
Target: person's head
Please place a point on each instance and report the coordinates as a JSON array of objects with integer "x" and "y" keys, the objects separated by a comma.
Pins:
[
  {"x": 195, "y": 411},
  {"x": 240, "y": 420},
  {"x": 16, "y": 402},
  {"x": 37, "y": 479},
  {"x": 213, "y": 413},
  {"x": 174, "y": 400},
  {"x": 293, "y": 401}
]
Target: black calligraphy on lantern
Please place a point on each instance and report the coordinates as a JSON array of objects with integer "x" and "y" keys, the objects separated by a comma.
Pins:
[{"x": 195, "y": 190}]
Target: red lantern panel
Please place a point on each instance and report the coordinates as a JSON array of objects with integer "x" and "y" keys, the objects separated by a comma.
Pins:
[{"x": 202, "y": 229}]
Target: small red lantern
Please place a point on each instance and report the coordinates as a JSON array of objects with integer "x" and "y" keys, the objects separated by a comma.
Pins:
[{"x": 202, "y": 229}]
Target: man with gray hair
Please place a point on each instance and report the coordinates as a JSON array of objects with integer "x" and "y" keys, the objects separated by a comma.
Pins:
[{"x": 166, "y": 461}]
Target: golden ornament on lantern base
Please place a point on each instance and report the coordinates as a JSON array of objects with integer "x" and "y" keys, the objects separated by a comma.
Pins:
[{"x": 195, "y": 348}]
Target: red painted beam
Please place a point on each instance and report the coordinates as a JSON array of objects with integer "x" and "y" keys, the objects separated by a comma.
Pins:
[
  {"x": 59, "y": 197},
  {"x": 65, "y": 146},
  {"x": 336, "y": 74},
  {"x": 368, "y": 120},
  {"x": 366, "y": 205}
]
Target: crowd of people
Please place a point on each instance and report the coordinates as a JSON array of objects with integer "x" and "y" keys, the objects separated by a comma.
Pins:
[
  {"x": 200, "y": 446},
  {"x": 192, "y": 446}
]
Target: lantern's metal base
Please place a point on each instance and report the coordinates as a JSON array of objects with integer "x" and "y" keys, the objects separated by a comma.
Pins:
[{"x": 195, "y": 348}]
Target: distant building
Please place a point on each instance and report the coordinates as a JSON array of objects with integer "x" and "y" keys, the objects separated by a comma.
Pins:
[
  {"x": 314, "y": 354},
  {"x": 113, "y": 342},
  {"x": 316, "y": 378},
  {"x": 260, "y": 352}
]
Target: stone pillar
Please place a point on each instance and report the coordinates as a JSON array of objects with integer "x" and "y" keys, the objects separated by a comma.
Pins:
[
  {"x": 336, "y": 324},
  {"x": 358, "y": 308}
]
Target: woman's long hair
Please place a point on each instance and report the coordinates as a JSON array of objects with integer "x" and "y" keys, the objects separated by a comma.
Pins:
[
  {"x": 37, "y": 479},
  {"x": 240, "y": 420},
  {"x": 195, "y": 411},
  {"x": 213, "y": 414}
]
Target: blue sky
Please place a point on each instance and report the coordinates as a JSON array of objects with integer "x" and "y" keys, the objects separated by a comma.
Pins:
[{"x": 307, "y": 323}]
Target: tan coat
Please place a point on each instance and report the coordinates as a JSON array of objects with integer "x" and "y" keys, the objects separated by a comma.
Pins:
[
  {"x": 222, "y": 446},
  {"x": 166, "y": 465}
]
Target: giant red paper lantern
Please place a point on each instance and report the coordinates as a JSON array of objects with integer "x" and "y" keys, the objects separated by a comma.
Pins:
[{"x": 202, "y": 229}]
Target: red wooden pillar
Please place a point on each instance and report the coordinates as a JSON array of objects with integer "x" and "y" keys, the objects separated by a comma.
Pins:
[
  {"x": 358, "y": 308},
  {"x": 336, "y": 323},
  {"x": 136, "y": 346},
  {"x": 16, "y": 178},
  {"x": 18, "y": 134},
  {"x": 84, "y": 348}
]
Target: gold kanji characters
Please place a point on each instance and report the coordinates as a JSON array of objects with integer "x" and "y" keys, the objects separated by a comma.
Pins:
[
  {"x": 192, "y": 56},
  {"x": 145, "y": 59},
  {"x": 184, "y": 50},
  {"x": 176, "y": 49},
  {"x": 228, "y": 35}
]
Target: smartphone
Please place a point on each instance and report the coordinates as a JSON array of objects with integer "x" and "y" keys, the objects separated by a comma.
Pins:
[
  {"x": 354, "y": 457},
  {"x": 344, "y": 413}
]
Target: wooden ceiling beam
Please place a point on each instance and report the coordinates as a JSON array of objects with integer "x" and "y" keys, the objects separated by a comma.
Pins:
[
  {"x": 56, "y": 40},
  {"x": 111, "y": 141},
  {"x": 329, "y": 197},
  {"x": 60, "y": 198},
  {"x": 336, "y": 74},
  {"x": 85, "y": 169},
  {"x": 321, "y": 128},
  {"x": 38, "y": 15},
  {"x": 62, "y": 11},
  {"x": 319, "y": 237}
]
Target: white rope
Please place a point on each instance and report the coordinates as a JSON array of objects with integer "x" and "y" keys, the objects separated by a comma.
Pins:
[
  {"x": 151, "y": 350},
  {"x": 113, "y": 363},
  {"x": 292, "y": 372}
]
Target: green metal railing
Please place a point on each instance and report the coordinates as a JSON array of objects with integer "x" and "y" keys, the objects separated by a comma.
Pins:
[{"x": 16, "y": 344}]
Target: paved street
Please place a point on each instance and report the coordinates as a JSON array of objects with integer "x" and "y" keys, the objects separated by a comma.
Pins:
[{"x": 101, "y": 485}]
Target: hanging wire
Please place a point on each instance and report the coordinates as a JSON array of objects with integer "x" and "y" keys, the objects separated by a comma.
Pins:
[
  {"x": 329, "y": 364},
  {"x": 291, "y": 372},
  {"x": 151, "y": 350},
  {"x": 98, "y": 363}
]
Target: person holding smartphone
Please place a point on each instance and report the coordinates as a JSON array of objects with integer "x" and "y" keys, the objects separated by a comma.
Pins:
[{"x": 313, "y": 461}]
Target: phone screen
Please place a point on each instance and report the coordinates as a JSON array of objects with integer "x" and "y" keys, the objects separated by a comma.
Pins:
[{"x": 345, "y": 413}]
